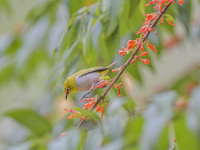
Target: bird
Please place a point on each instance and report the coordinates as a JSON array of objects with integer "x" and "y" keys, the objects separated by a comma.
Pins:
[{"x": 85, "y": 79}]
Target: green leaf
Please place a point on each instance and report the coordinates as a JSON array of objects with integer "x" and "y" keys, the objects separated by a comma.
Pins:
[
  {"x": 30, "y": 119},
  {"x": 111, "y": 10},
  {"x": 185, "y": 13},
  {"x": 129, "y": 105},
  {"x": 92, "y": 115},
  {"x": 193, "y": 114},
  {"x": 185, "y": 138},
  {"x": 133, "y": 131},
  {"x": 131, "y": 18},
  {"x": 78, "y": 109},
  {"x": 94, "y": 143},
  {"x": 158, "y": 113},
  {"x": 88, "y": 50},
  {"x": 96, "y": 32},
  {"x": 169, "y": 17},
  {"x": 142, "y": 6},
  {"x": 134, "y": 70}
]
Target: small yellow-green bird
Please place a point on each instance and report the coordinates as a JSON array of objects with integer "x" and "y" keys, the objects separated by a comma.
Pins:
[{"x": 85, "y": 79}]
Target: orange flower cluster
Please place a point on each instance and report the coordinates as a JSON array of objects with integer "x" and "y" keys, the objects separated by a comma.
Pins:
[
  {"x": 89, "y": 105},
  {"x": 74, "y": 114},
  {"x": 100, "y": 108},
  {"x": 102, "y": 84},
  {"x": 130, "y": 45},
  {"x": 161, "y": 2},
  {"x": 118, "y": 86}
]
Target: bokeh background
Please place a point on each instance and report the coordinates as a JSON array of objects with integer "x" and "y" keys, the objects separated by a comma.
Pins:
[{"x": 44, "y": 41}]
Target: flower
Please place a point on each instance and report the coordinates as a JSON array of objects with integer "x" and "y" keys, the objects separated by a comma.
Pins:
[
  {"x": 181, "y": 2},
  {"x": 144, "y": 54},
  {"x": 143, "y": 29},
  {"x": 102, "y": 111},
  {"x": 152, "y": 2},
  {"x": 118, "y": 86},
  {"x": 146, "y": 61},
  {"x": 150, "y": 17},
  {"x": 141, "y": 47},
  {"x": 101, "y": 84},
  {"x": 115, "y": 70},
  {"x": 72, "y": 116},
  {"x": 62, "y": 134},
  {"x": 121, "y": 52},
  {"x": 88, "y": 99},
  {"x": 151, "y": 46},
  {"x": 88, "y": 105},
  {"x": 131, "y": 44},
  {"x": 170, "y": 22},
  {"x": 98, "y": 108}
]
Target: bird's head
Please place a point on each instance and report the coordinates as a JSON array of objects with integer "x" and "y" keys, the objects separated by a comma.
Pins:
[{"x": 69, "y": 86}]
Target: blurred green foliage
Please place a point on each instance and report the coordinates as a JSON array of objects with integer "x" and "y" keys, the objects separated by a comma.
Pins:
[{"x": 69, "y": 35}]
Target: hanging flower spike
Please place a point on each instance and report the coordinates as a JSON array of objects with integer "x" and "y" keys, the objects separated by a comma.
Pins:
[
  {"x": 101, "y": 84},
  {"x": 88, "y": 105},
  {"x": 88, "y": 99},
  {"x": 169, "y": 1},
  {"x": 119, "y": 93},
  {"x": 133, "y": 61},
  {"x": 181, "y": 2},
  {"x": 141, "y": 47},
  {"x": 82, "y": 117},
  {"x": 161, "y": 21},
  {"x": 146, "y": 61},
  {"x": 136, "y": 57},
  {"x": 151, "y": 46},
  {"x": 72, "y": 116},
  {"x": 118, "y": 86},
  {"x": 150, "y": 17},
  {"x": 170, "y": 22},
  {"x": 115, "y": 70},
  {"x": 72, "y": 111},
  {"x": 152, "y": 2},
  {"x": 144, "y": 54},
  {"x": 62, "y": 134},
  {"x": 131, "y": 44},
  {"x": 98, "y": 108},
  {"x": 159, "y": 8},
  {"x": 102, "y": 111},
  {"x": 122, "y": 52},
  {"x": 143, "y": 29}
]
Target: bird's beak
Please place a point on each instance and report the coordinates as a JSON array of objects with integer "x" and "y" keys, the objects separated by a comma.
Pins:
[{"x": 66, "y": 95}]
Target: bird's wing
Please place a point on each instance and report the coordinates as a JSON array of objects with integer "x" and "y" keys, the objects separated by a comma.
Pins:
[{"x": 95, "y": 69}]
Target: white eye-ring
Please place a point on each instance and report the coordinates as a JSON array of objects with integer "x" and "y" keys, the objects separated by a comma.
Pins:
[{"x": 67, "y": 89}]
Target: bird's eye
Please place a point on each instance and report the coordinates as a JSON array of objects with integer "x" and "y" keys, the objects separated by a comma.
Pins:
[{"x": 67, "y": 89}]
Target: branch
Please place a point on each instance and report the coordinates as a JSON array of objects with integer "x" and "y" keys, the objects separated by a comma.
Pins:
[{"x": 102, "y": 96}]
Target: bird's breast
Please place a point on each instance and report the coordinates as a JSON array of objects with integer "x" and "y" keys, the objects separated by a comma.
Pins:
[{"x": 84, "y": 83}]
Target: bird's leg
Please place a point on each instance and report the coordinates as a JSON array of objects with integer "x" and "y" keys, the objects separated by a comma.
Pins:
[{"x": 91, "y": 89}]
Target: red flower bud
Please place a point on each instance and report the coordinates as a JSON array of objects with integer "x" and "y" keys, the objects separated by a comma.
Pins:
[
  {"x": 151, "y": 47},
  {"x": 181, "y": 2},
  {"x": 122, "y": 52},
  {"x": 102, "y": 111},
  {"x": 144, "y": 54},
  {"x": 170, "y": 22},
  {"x": 146, "y": 61},
  {"x": 98, "y": 108}
]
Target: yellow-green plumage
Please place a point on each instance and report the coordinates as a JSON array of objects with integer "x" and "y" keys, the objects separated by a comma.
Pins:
[{"x": 82, "y": 80}]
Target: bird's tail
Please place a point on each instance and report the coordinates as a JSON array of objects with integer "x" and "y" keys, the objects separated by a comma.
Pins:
[{"x": 109, "y": 66}]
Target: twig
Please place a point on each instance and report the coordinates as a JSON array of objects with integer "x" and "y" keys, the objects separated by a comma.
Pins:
[{"x": 102, "y": 96}]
